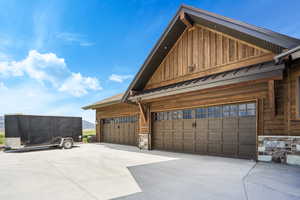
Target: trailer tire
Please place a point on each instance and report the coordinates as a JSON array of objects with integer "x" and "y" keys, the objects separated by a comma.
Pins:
[{"x": 68, "y": 144}]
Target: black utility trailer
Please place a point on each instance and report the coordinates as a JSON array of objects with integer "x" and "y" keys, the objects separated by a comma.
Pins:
[{"x": 22, "y": 131}]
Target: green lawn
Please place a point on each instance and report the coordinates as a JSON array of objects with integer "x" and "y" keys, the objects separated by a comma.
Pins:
[
  {"x": 88, "y": 132},
  {"x": 85, "y": 134},
  {"x": 1, "y": 138}
]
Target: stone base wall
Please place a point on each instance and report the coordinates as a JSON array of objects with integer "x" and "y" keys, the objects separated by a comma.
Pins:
[
  {"x": 144, "y": 141},
  {"x": 283, "y": 149}
]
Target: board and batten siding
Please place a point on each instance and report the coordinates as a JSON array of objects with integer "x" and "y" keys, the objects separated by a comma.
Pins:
[{"x": 201, "y": 51}]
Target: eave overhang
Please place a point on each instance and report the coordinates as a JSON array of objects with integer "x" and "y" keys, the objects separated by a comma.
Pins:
[
  {"x": 292, "y": 54},
  {"x": 262, "y": 71},
  {"x": 93, "y": 107}
]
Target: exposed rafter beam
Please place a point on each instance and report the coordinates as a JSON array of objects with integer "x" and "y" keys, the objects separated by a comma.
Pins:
[
  {"x": 144, "y": 116},
  {"x": 185, "y": 20}
]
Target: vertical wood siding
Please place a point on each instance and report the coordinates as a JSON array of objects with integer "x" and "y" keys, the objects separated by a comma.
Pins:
[{"x": 198, "y": 50}]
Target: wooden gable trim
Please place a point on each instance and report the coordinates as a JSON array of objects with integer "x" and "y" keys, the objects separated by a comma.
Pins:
[
  {"x": 184, "y": 19},
  {"x": 233, "y": 38}
]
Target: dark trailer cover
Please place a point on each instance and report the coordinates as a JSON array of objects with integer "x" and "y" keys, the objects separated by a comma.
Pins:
[{"x": 31, "y": 130}]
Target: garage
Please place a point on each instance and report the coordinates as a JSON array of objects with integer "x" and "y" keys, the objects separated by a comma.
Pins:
[
  {"x": 120, "y": 130},
  {"x": 211, "y": 85},
  {"x": 226, "y": 130}
]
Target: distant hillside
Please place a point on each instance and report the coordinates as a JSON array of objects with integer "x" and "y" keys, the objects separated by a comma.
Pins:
[
  {"x": 87, "y": 125},
  {"x": 1, "y": 123}
]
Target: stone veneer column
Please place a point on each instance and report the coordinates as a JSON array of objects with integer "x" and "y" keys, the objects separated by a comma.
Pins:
[{"x": 284, "y": 149}]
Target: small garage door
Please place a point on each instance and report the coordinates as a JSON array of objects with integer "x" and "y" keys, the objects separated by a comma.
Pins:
[
  {"x": 120, "y": 130},
  {"x": 227, "y": 130}
]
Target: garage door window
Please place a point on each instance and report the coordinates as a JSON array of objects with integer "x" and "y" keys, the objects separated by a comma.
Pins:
[
  {"x": 251, "y": 109},
  {"x": 230, "y": 110},
  {"x": 214, "y": 111},
  {"x": 106, "y": 121},
  {"x": 201, "y": 113},
  {"x": 177, "y": 114},
  {"x": 187, "y": 114},
  {"x": 247, "y": 109}
]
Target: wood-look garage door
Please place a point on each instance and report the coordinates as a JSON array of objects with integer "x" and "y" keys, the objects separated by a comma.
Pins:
[
  {"x": 120, "y": 130},
  {"x": 227, "y": 130}
]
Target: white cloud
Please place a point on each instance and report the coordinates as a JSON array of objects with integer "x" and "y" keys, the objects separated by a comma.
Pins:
[
  {"x": 2, "y": 86},
  {"x": 36, "y": 99},
  {"x": 48, "y": 68},
  {"x": 77, "y": 85},
  {"x": 41, "y": 67},
  {"x": 119, "y": 78},
  {"x": 72, "y": 38}
]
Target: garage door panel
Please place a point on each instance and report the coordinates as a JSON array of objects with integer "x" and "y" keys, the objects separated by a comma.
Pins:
[
  {"x": 201, "y": 147},
  {"x": 168, "y": 125},
  {"x": 120, "y": 130},
  {"x": 228, "y": 130},
  {"x": 125, "y": 133},
  {"x": 230, "y": 148},
  {"x": 247, "y": 122},
  {"x": 215, "y": 123},
  {"x": 168, "y": 140},
  {"x": 247, "y": 151},
  {"x": 230, "y": 136},
  {"x": 214, "y": 135},
  {"x": 230, "y": 123},
  {"x": 188, "y": 146},
  {"x": 214, "y": 148}
]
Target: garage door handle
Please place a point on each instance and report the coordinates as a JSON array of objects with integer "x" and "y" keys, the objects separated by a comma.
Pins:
[
  {"x": 194, "y": 124},
  {"x": 118, "y": 126}
]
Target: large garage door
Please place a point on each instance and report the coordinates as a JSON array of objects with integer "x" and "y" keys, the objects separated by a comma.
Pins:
[
  {"x": 227, "y": 130},
  {"x": 120, "y": 130}
]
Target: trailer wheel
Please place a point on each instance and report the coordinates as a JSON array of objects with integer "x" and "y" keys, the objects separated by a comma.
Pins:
[{"x": 68, "y": 144}]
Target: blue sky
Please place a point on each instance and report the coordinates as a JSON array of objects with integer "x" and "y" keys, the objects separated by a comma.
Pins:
[{"x": 57, "y": 56}]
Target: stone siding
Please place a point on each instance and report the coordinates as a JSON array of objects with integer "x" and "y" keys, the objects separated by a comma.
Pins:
[
  {"x": 144, "y": 141},
  {"x": 283, "y": 149}
]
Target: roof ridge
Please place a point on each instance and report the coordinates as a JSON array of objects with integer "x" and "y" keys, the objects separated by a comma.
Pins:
[{"x": 240, "y": 23}]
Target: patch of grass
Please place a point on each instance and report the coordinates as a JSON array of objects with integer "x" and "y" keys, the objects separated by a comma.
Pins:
[
  {"x": 86, "y": 133},
  {"x": 1, "y": 138}
]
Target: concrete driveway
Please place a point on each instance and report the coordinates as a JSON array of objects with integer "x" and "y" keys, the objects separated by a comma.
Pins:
[{"x": 94, "y": 171}]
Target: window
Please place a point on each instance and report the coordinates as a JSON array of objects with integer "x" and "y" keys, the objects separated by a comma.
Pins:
[
  {"x": 170, "y": 115},
  {"x": 230, "y": 111},
  {"x": 214, "y": 111},
  {"x": 160, "y": 116},
  {"x": 248, "y": 109},
  {"x": 155, "y": 116},
  {"x": 107, "y": 121},
  {"x": 242, "y": 110},
  {"x": 177, "y": 114},
  {"x": 251, "y": 109},
  {"x": 187, "y": 114},
  {"x": 226, "y": 111},
  {"x": 201, "y": 113},
  {"x": 233, "y": 110}
]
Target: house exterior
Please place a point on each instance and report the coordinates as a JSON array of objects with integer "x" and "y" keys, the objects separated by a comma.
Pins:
[{"x": 211, "y": 85}]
